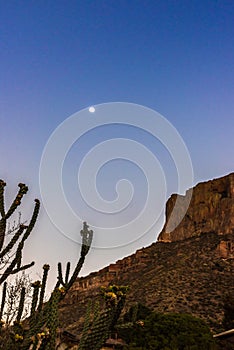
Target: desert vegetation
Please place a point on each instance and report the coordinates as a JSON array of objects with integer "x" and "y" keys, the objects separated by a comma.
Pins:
[
  {"x": 40, "y": 329},
  {"x": 144, "y": 329}
]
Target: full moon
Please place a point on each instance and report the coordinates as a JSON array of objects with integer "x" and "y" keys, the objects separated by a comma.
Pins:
[{"x": 91, "y": 109}]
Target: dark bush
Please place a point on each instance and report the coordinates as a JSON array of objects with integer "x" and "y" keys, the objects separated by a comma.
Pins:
[{"x": 168, "y": 332}]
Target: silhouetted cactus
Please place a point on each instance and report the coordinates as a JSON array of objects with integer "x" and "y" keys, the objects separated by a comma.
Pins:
[
  {"x": 87, "y": 237},
  {"x": 21, "y": 304},
  {"x": 43, "y": 286},
  {"x": 3, "y": 299},
  {"x": 14, "y": 265},
  {"x": 39, "y": 331}
]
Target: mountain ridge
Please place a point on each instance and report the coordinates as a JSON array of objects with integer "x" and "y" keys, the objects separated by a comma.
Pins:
[{"x": 190, "y": 272}]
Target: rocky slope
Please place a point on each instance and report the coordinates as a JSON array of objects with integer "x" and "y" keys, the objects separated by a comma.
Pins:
[{"x": 188, "y": 270}]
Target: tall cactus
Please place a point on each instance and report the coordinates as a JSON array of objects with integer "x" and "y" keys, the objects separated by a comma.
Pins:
[
  {"x": 39, "y": 331},
  {"x": 43, "y": 320},
  {"x": 20, "y": 234},
  {"x": 97, "y": 330},
  {"x": 21, "y": 304},
  {"x": 3, "y": 299},
  {"x": 87, "y": 237}
]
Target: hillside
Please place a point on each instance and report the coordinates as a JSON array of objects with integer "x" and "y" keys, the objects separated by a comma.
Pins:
[{"x": 189, "y": 270}]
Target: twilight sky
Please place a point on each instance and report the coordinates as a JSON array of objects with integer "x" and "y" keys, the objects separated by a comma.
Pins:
[{"x": 57, "y": 58}]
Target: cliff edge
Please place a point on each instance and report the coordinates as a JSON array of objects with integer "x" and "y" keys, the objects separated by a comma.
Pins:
[{"x": 211, "y": 209}]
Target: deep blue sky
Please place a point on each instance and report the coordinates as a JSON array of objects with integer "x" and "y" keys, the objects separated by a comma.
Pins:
[{"x": 176, "y": 57}]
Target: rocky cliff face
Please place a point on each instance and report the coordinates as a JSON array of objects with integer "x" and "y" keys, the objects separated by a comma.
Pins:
[
  {"x": 188, "y": 270},
  {"x": 211, "y": 209}
]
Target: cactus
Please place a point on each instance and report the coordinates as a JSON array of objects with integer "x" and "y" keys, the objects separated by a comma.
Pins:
[
  {"x": 87, "y": 323},
  {"x": 20, "y": 233},
  {"x": 43, "y": 320},
  {"x": 3, "y": 299},
  {"x": 95, "y": 334},
  {"x": 87, "y": 237},
  {"x": 43, "y": 286},
  {"x": 21, "y": 304},
  {"x": 39, "y": 331},
  {"x": 52, "y": 319}
]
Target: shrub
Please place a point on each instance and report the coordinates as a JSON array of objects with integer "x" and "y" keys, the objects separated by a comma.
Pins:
[{"x": 168, "y": 332}]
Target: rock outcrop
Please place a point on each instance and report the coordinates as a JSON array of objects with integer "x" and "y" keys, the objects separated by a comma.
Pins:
[
  {"x": 211, "y": 209},
  {"x": 189, "y": 270}
]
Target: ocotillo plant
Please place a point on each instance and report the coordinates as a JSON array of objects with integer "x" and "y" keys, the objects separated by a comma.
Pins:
[{"x": 15, "y": 246}]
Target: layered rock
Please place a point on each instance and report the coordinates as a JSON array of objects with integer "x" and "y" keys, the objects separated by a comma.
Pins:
[
  {"x": 189, "y": 270},
  {"x": 211, "y": 208}
]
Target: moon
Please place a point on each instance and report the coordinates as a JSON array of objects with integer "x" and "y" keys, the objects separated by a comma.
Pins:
[{"x": 91, "y": 109}]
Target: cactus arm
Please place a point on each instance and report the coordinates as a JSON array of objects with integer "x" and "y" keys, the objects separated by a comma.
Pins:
[
  {"x": 75, "y": 273},
  {"x": 21, "y": 304},
  {"x": 22, "y": 268},
  {"x": 3, "y": 299},
  {"x": 11, "y": 268},
  {"x": 13, "y": 241},
  {"x": 43, "y": 285},
  {"x": 36, "y": 287},
  {"x": 67, "y": 272},
  {"x": 2, "y": 206},
  {"x": 17, "y": 201},
  {"x": 2, "y": 212},
  {"x": 33, "y": 219},
  {"x": 8, "y": 270},
  {"x": 60, "y": 275},
  {"x": 2, "y": 231}
]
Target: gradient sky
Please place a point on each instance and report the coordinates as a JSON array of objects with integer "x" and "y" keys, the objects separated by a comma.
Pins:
[{"x": 176, "y": 57}]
